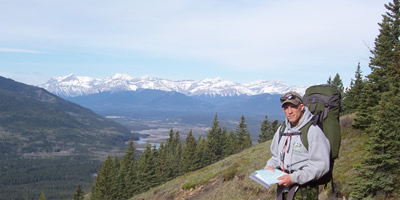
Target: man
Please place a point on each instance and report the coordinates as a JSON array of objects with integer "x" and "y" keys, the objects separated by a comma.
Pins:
[{"x": 289, "y": 154}]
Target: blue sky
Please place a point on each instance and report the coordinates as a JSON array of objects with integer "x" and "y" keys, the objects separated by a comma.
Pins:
[{"x": 301, "y": 42}]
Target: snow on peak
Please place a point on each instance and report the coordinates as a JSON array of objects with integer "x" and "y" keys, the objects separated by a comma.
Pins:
[
  {"x": 72, "y": 85},
  {"x": 65, "y": 78},
  {"x": 121, "y": 76}
]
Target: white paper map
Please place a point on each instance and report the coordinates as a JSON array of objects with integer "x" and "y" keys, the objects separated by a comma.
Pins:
[{"x": 266, "y": 177}]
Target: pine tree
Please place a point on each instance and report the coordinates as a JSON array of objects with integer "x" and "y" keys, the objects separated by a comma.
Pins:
[
  {"x": 78, "y": 193},
  {"x": 351, "y": 100},
  {"x": 364, "y": 112},
  {"x": 118, "y": 182},
  {"x": 199, "y": 156},
  {"x": 178, "y": 155},
  {"x": 189, "y": 151},
  {"x": 42, "y": 197},
  {"x": 337, "y": 82},
  {"x": 147, "y": 173},
  {"x": 222, "y": 136},
  {"x": 102, "y": 188},
  {"x": 380, "y": 168},
  {"x": 243, "y": 135},
  {"x": 156, "y": 160},
  {"x": 127, "y": 171},
  {"x": 226, "y": 145},
  {"x": 173, "y": 162},
  {"x": 381, "y": 63},
  {"x": 231, "y": 144},
  {"x": 274, "y": 127},
  {"x": 214, "y": 150},
  {"x": 265, "y": 127},
  {"x": 329, "y": 81},
  {"x": 162, "y": 162}
]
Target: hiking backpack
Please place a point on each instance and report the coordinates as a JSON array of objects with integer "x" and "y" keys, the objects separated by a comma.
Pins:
[{"x": 323, "y": 101}]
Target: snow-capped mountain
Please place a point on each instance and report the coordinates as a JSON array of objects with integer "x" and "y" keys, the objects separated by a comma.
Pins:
[{"x": 71, "y": 86}]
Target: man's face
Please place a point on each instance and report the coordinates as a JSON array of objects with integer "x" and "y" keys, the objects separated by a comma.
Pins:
[{"x": 293, "y": 113}]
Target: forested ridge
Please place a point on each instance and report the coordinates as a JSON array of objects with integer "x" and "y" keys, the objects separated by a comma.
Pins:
[{"x": 50, "y": 145}]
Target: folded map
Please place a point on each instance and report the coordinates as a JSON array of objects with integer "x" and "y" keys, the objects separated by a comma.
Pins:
[{"x": 266, "y": 177}]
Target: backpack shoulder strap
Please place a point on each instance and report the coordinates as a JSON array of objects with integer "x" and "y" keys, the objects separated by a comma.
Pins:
[
  {"x": 281, "y": 130},
  {"x": 303, "y": 132}
]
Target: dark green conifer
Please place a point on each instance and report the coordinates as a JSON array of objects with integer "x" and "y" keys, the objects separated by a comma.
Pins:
[
  {"x": 351, "y": 100},
  {"x": 378, "y": 174},
  {"x": 200, "y": 155},
  {"x": 265, "y": 128},
  {"x": 243, "y": 135},
  {"x": 146, "y": 170},
  {"x": 78, "y": 193},
  {"x": 365, "y": 111},
  {"x": 162, "y": 162},
  {"x": 231, "y": 144},
  {"x": 214, "y": 149},
  {"x": 173, "y": 162},
  {"x": 42, "y": 197},
  {"x": 102, "y": 189},
  {"x": 329, "y": 81},
  {"x": 189, "y": 151},
  {"x": 382, "y": 63},
  {"x": 128, "y": 171},
  {"x": 380, "y": 167}
]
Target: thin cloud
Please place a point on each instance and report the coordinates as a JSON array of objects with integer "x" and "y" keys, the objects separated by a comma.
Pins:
[{"x": 12, "y": 50}]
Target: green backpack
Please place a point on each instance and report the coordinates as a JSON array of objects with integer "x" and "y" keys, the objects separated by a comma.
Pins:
[{"x": 323, "y": 101}]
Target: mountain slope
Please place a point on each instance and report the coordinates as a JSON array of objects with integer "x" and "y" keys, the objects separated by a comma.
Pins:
[
  {"x": 228, "y": 179},
  {"x": 30, "y": 111},
  {"x": 49, "y": 144}
]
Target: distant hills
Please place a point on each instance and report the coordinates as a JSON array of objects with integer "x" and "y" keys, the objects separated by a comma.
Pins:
[
  {"x": 31, "y": 112},
  {"x": 72, "y": 86},
  {"x": 146, "y": 103},
  {"x": 50, "y": 144}
]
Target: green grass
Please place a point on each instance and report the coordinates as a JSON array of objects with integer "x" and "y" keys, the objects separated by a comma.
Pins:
[{"x": 228, "y": 178}]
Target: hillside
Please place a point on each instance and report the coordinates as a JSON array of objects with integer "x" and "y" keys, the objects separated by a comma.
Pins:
[
  {"x": 49, "y": 144},
  {"x": 228, "y": 179}
]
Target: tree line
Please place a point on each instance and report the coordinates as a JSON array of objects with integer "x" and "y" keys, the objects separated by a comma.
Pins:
[
  {"x": 134, "y": 174},
  {"x": 374, "y": 100}
]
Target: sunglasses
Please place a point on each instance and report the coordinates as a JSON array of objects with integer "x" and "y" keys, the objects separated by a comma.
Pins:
[{"x": 289, "y": 97}]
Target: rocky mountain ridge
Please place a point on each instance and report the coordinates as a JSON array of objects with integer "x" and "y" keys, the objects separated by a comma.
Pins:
[{"x": 72, "y": 86}]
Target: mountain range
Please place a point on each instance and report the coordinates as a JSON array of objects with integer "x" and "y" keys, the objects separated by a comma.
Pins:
[{"x": 72, "y": 86}]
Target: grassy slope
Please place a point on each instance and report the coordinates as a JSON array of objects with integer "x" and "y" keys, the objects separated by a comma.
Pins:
[{"x": 211, "y": 183}]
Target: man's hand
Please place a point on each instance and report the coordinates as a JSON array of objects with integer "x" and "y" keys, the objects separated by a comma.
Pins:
[
  {"x": 285, "y": 180},
  {"x": 270, "y": 168}
]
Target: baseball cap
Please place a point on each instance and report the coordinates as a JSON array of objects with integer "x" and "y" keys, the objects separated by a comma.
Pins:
[{"x": 291, "y": 97}]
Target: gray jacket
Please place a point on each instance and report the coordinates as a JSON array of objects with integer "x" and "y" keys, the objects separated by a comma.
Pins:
[{"x": 304, "y": 165}]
